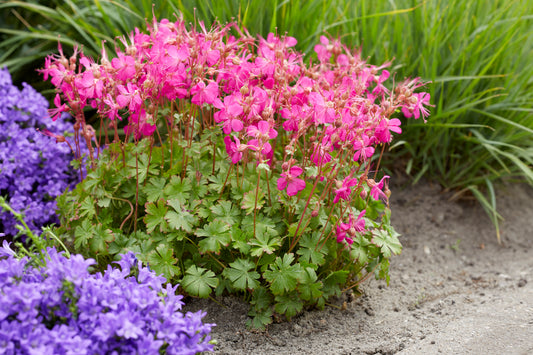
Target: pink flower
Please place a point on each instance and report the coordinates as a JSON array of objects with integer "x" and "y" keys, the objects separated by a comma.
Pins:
[
  {"x": 417, "y": 108},
  {"x": 229, "y": 111},
  {"x": 262, "y": 130},
  {"x": 347, "y": 231},
  {"x": 343, "y": 193},
  {"x": 290, "y": 181},
  {"x": 385, "y": 127},
  {"x": 379, "y": 89},
  {"x": 129, "y": 96},
  {"x": 204, "y": 94},
  {"x": 324, "y": 113},
  {"x": 125, "y": 67},
  {"x": 322, "y": 51},
  {"x": 376, "y": 189},
  {"x": 320, "y": 154},
  {"x": 59, "y": 138},
  {"x": 55, "y": 113},
  {"x": 112, "y": 108},
  {"x": 232, "y": 148},
  {"x": 362, "y": 148},
  {"x": 174, "y": 57}
]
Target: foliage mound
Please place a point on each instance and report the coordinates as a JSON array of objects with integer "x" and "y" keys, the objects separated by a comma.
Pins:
[{"x": 240, "y": 168}]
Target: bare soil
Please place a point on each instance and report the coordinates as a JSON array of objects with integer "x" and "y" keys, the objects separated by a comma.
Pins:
[{"x": 453, "y": 289}]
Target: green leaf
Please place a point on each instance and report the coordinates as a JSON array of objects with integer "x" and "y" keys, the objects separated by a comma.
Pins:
[
  {"x": 100, "y": 239},
  {"x": 310, "y": 251},
  {"x": 290, "y": 305},
  {"x": 282, "y": 276},
  {"x": 162, "y": 261},
  {"x": 83, "y": 234},
  {"x": 309, "y": 288},
  {"x": 260, "y": 319},
  {"x": 383, "y": 271},
  {"x": 121, "y": 244},
  {"x": 240, "y": 241},
  {"x": 216, "y": 182},
  {"x": 240, "y": 275},
  {"x": 104, "y": 202},
  {"x": 263, "y": 225},
  {"x": 180, "y": 218},
  {"x": 262, "y": 243},
  {"x": 155, "y": 216},
  {"x": 388, "y": 242},
  {"x": 140, "y": 167},
  {"x": 226, "y": 212},
  {"x": 261, "y": 298},
  {"x": 178, "y": 190},
  {"x": 332, "y": 284},
  {"x": 359, "y": 250},
  {"x": 87, "y": 207},
  {"x": 154, "y": 190},
  {"x": 199, "y": 281},
  {"x": 249, "y": 201},
  {"x": 217, "y": 235}
]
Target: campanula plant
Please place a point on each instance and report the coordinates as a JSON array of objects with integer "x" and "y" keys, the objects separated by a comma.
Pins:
[
  {"x": 233, "y": 165},
  {"x": 61, "y": 308},
  {"x": 34, "y": 170}
]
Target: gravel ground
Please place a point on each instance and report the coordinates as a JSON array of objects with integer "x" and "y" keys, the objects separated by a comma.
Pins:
[{"x": 453, "y": 290}]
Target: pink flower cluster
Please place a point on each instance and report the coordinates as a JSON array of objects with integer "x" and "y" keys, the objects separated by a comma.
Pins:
[{"x": 260, "y": 93}]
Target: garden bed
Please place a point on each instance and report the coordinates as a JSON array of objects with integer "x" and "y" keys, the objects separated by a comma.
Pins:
[{"x": 452, "y": 290}]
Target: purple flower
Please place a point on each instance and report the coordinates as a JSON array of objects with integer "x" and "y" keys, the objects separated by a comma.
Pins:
[
  {"x": 61, "y": 308},
  {"x": 33, "y": 168}
]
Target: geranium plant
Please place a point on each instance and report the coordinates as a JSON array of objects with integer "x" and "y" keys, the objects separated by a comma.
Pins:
[{"x": 239, "y": 168}]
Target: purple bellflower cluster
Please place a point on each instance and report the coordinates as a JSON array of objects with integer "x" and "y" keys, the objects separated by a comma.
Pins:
[
  {"x": 34, "y": 170},
  {"x": 63, "y": 309}
]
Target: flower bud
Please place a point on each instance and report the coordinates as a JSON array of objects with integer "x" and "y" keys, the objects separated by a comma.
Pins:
[
  {"x": 314, "y": 213},
  {"x": 338, "y": 184}
]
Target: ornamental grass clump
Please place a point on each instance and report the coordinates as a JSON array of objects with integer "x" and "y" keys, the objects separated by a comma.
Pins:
[
  {"x": 33, "y": 169},
  {"x": 61, "y": 308},
  {"x": 239, "y": 168}
]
